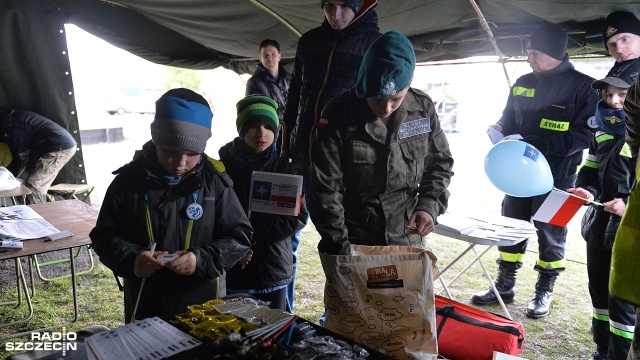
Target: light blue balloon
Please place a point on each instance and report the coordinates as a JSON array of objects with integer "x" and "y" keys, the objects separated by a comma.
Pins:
[{"x": 518, "y": 169}]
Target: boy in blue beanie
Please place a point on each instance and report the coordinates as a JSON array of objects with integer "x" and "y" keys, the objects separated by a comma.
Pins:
[
  {"x": 270, "y": 269},
  {"x": 380, "y": 163},
  {"x": 173, "y": 195},
  {"x": 605, "y": 177}
]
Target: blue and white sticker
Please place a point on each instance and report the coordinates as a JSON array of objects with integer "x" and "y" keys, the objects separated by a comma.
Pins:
[
  {"x": 194, "y": 211},
  {"x": 414, "y": 128}
]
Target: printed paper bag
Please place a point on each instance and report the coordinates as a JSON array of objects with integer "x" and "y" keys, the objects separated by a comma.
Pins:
[{"x": 382, "y": 297}]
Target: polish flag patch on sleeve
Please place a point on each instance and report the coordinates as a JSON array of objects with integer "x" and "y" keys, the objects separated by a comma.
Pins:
[
  {"x": 559, "y": 208},
  {"x": 322, "y": 123}
]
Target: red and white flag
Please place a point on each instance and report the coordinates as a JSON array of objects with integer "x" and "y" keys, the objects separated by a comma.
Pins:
[{"x": 558, "y": 208}]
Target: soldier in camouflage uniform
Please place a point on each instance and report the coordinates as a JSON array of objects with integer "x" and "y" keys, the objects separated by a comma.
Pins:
[{"x": 380, "y": 161}]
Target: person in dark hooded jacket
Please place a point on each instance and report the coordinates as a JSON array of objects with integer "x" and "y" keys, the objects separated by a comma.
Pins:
[
  {"x": 173, "y": 195},
  {"x": 270, "y": 270},
  {"x": 326, "y": 64}
]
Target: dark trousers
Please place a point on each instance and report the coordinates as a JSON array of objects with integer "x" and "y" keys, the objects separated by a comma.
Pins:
[{"x": 613, "y": 320}]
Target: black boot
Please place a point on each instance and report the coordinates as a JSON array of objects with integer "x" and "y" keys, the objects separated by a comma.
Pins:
[
  {"x": 540, "y": 305},
  {"x": 504, "y": 283}
]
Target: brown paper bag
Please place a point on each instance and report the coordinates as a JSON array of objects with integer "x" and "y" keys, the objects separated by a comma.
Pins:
[{"x": 382, "y": 297}]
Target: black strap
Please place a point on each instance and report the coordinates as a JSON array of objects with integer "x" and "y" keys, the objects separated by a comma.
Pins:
[{"x": 120, "y": 286}]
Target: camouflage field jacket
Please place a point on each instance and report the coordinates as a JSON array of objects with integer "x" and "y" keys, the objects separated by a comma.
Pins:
[{"x": 367, "y": 179}]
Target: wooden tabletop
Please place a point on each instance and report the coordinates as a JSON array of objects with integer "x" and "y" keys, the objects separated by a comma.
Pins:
[{"x": 73, "y": 215}]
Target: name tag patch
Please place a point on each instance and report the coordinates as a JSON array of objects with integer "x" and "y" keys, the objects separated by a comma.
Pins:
[{"x": 414, "y": 127}]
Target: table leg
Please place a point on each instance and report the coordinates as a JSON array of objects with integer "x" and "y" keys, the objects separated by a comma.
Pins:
[
  {"x": 493, "y": 286},
  {"x": 21, "y": 281},
  {"x": 478, "y": 259},
  {"x": 74, "y": 286},
  {"x": 24, "y": 284}
]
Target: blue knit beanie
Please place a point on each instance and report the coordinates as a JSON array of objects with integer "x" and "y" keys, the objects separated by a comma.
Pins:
[
  {"x": 182, "y": 120},
  {"x": 387, "y": 67}
]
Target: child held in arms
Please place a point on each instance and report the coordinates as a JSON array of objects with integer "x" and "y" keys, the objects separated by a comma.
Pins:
[
  {"x": 270, "y": 269},
  {"x": 176, "y": 197}
]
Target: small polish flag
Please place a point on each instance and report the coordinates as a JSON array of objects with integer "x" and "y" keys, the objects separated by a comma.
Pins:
[{"x": 558, "y": 208}]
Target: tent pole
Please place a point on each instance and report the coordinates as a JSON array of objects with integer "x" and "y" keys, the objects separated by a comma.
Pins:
[
  {"x": 485, "y": 25},
  {"x": 261, "y": 6}
]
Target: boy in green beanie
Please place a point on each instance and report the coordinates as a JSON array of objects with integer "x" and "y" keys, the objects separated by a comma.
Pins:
[
  {"x": 380, "y": 163},
  {"x": 270, "y": 269}
]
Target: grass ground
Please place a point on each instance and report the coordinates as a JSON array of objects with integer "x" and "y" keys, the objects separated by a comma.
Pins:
[{"x": 562, "y": 335}]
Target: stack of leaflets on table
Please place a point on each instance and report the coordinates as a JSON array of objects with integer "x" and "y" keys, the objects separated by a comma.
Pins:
[
  {"x": 487, "y": 227},
  {"x": 21, "y": 222},
  {"x": 151, "y": 338}
]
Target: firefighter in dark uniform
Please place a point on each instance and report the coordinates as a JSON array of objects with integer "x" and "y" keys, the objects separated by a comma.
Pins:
[
  {"x": 380, "y": 164},
  {"x": 550, "y": 108}
]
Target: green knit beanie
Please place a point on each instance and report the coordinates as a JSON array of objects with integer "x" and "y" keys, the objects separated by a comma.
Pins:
[
  {"x": 387, "y": 67},
  {"x": 255, "y": 109}
]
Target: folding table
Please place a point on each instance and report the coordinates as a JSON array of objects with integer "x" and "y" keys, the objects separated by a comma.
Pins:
[
  {"x": 21, "y": 192},
  {"x": 473, "y": 241},
  {"x": 73, "y": 215}
]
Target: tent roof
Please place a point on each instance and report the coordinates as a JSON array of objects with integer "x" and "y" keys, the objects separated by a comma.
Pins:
[{"x": 202, "y": 34}]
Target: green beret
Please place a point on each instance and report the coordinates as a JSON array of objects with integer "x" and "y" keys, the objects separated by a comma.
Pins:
[{"x": 387, "y": 67}]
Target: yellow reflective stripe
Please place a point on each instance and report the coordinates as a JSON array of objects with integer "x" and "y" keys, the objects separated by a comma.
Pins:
[
  {"x": 523, "y": 91},
  {"x": 603, "y": 137},
  {"x": 559, "y": 264},
  {"x": 510, "y": 257},
  {"x": 554, "y": 125},
  {"x": 591, "y": 164},
  {"x": 625, "y": 151},
  {"x": 625, "y": 332},
  {"x": 601, "y": 317},
  {"x": 621, "y": 326},
  {"x": 601, "y": 314}
]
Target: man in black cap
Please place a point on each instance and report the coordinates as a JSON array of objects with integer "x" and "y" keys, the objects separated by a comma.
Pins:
[
  {"x": 550, "y": 109},
  {"x": 326, "y": 64},
  {"x": 621, "y": 36}
]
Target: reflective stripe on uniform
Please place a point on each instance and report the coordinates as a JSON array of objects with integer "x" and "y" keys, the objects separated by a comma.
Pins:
[
  {"x": 603, "y": 137},
  {"x": 601, "y": 314},
  {"x": 523, "y": 91},
  {"x": 558, "y": 264},
  {"x": 625, "y": 151},
  {"x": 554, "y": 125},
  {"x": 591, "y": 161},
  {"x": 625, "y": 331},
  {"x": 511, "y": 257}
]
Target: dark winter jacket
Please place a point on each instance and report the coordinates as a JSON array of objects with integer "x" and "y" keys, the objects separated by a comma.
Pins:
[
  {"x": 263, "y": 83},
  {"x": 632, "y": 109},
  {"x": 326, "y": 64},
  {"x": 606, "y": 174},
  {"x": 271, "y": 264},
  {"x": 551, "y": 110},
  {"x": 219, "y": 238}
]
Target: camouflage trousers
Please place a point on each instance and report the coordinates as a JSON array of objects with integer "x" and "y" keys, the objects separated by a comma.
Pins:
[{"x": 46, "y": 168}]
